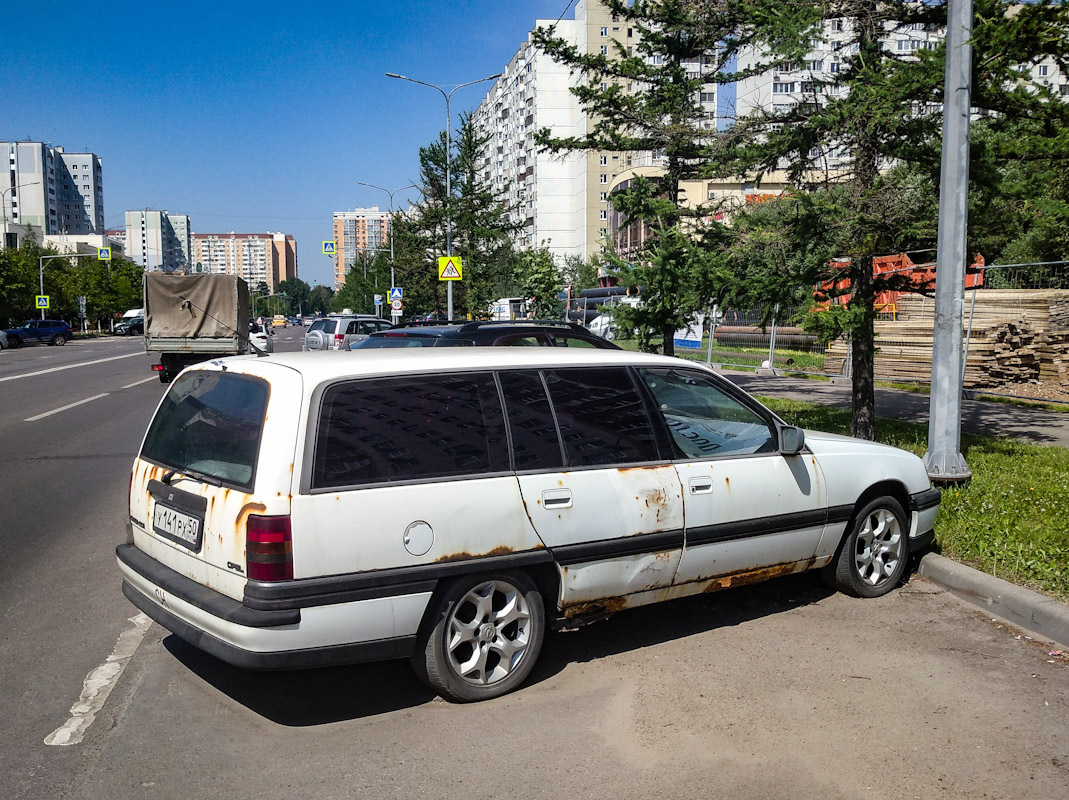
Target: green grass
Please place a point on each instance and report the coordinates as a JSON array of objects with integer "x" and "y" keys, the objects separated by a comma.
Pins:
[
  {"x": 747, "y": 356},
  {"x": 1010, "y": 520}
]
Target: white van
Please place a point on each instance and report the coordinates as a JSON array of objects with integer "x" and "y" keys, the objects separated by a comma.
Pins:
[{"x": 448, "y": 505}]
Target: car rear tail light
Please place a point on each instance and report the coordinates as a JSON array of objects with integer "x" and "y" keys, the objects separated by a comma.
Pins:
[
  {"x": 339, "y": 338},
  {"x": 158, "y": 367},
  {"x": 268, "y": 548}
]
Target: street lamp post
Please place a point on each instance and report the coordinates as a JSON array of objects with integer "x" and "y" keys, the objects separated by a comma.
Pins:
[
  {"x": 4, "y": 200},
  {"x": 448, "y": 158},
  {"x": 393, "y": 280}
]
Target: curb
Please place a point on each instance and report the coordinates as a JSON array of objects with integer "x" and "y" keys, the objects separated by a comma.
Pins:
[{"x": 1019, "y": 606}]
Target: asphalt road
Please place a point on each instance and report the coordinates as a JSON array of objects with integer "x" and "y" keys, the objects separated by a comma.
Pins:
[{"x": 783, "y": 689}]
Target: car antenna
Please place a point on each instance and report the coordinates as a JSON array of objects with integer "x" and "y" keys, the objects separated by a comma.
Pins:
[{"x": 259, "y": 353}]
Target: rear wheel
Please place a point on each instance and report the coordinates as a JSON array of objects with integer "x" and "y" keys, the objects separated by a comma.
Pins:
[
  {"x": 484, "y": 639},
  {"x": 59, "y": 340},
  {"x": 873, "y": 557}
]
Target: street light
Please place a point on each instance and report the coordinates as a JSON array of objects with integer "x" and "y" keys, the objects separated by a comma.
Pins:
[
  {"x": 448, "y": 158},
  {"x": 4, "y": 195},
  {"x": 393, "y": 281}
]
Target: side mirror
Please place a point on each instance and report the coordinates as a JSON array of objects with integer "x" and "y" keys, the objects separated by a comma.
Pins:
[{"x": 791, "y": 440}]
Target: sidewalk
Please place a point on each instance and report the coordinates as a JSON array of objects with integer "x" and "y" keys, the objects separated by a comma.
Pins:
[
  {"x": 1018, "y": 606},
  {"x": 1032, "y": 425}
]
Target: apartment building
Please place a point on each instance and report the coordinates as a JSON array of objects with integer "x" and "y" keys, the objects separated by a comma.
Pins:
[
  {"x": 158, "y": 240},
  {"x": 267, "y": 258},
  {"x": 356, "y": 232},
  {"x": 49, "y": 192}
]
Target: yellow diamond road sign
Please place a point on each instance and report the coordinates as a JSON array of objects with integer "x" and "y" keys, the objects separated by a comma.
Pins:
[{"x": 450, "y": 268}]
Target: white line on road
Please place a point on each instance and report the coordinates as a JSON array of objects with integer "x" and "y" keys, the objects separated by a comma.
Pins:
[
  {"x": 138, "y": 383},
  {"x": 98, "y": 685},
  {"x": 69, "y": 366},
  {"x": 64, "y": 408}
]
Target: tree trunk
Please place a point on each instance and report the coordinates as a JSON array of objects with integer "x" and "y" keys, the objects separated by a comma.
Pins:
[
  {"x": 863, "y": 356},
  {"x": 668, "y": 343}
]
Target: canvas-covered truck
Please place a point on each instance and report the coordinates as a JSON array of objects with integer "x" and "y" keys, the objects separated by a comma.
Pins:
[{"x": 194, "y": 318}]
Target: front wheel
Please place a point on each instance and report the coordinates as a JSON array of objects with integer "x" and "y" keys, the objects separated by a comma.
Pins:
[
  {"x": 486, "y": 635},
  {"x": 873, "y": 557}
]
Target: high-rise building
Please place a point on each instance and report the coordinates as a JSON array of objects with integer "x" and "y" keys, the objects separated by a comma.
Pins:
[
  {"x": 267, "y": 258},
  {"x": 362, "y": 230},
  {"x": 558, "y": 200},
  {"x": 158, "y": 240},
  {"x": 49, "y": 192}
]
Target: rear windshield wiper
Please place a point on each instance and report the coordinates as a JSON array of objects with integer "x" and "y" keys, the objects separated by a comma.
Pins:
[{"x": 168, "y": 476}]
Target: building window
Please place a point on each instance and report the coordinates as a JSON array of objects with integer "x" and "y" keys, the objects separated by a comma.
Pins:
[
  {"x": 604, "y": 214},
  {"x": 603, "y": 196},
  {"x": 833, "y": 66},
  {"x": 837, "y": 25},
  {"x": 604, "y": 31},
  {"x": 1042, "y": 70},
  {"x": 815, "y": 66},
  {"x": 782, "y": 88},
  {"x": 604, "y": 50},
  {"x": 707, "y": 97},
  {"x": 603, "y": 160},
  {"x": 603, "y": 178}
]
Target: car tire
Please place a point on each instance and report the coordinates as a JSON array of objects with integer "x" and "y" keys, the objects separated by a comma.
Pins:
[
  {"x": 482, "y": 637},
  {"x": 58, "y": 340},
  {"x": 13, "y": 342},
  {"x": 874, "y": 554}
]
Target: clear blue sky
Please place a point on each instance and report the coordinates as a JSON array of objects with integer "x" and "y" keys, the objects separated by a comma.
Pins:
[{"x": 251, "y": 117}]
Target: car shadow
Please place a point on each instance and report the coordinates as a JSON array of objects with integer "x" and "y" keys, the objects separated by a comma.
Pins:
[{"x": 303, "y": 698}]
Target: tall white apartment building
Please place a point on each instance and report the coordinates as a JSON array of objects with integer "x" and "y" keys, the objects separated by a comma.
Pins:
[
  {"x": 559, "y": 200},
  {"x": 48, "y": 192},
  {"x": 267, "y": 258},
  {"x": 158, "y": 240},
  {"x": 362, "y": 230}
]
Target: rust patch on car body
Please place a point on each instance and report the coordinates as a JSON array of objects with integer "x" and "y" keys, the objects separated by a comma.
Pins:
[
  {"x": 758, "y": 575},
  {"x": 608, "y": 605},
  {"x": 464, "y": 555}
]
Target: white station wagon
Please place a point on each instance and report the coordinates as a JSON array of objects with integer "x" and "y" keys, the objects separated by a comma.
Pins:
[{"x": 447, "y": 506}]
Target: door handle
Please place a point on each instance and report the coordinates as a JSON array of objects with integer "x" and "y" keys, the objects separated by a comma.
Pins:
[
  {"x": 557, "y": 498},
  {"x": 700, "y": 485}
]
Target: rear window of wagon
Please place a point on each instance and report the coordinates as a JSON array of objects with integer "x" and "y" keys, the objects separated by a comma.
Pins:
[{"x": 209, "y": 426}]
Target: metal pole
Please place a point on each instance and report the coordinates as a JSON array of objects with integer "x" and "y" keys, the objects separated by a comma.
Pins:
[
  {"x": 448, "y": 158},
  {"x": 944, "y": 460},
  {"x": 393, "y": 279}
]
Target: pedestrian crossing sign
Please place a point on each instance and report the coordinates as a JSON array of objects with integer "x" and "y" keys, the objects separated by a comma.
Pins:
[
  {"x": 103, "y": 254},
  {"x": 450, "y": 268},
  {"x": 328, "y": 248}
]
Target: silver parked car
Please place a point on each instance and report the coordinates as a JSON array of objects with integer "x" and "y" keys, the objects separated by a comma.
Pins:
[{"x": 338, "y": 331}]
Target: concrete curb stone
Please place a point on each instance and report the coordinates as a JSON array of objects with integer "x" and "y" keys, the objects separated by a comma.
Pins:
[{"x": 1015, "y": 604}]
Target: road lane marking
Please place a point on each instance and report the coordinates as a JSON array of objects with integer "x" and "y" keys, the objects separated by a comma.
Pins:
[
  {"x": 98, "y": 685},
  {"x": 69, "y": 366},
  {"x": 64, "y": 408},
  {"x": 138, "y": 383}
]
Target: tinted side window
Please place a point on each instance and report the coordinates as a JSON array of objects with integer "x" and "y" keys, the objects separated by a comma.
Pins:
[
  {"x": 321, "y": 325},
  {"x": 601, "y": 417},
  {"x": 572, "y": 341},
  {"x": 399, "y": 429},
  {"x": 703, "y": 420},
  {"x": 535, "y": 444}
]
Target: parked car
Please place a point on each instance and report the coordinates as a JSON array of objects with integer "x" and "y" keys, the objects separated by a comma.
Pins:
[
  {"x": 338, "y": 331},
  {"x": 296, "y": 321},
  {"x": 451, "y": 507},
  {"x": 262, "y": 337},
  {"x": 3, "y": 340},
  {"x": 133, "y": 326},
  {"x": 519, "y": 333},
  {"x": 47, "y": 331}
]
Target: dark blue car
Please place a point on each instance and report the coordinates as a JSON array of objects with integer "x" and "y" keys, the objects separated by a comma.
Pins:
[{"x": 47, "y": 331}]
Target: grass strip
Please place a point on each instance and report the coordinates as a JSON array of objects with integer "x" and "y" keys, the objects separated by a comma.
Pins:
[{"x": 1011, "y": 520}]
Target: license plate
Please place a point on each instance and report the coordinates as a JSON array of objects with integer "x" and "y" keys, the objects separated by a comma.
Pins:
[{"x": 177, "y": 526}]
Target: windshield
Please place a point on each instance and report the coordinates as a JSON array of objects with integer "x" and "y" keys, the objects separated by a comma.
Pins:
[
  {"x": 209, "y": 425},
  {"x": 379, "y": 341}
]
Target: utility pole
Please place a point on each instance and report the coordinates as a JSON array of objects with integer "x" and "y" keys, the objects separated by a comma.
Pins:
[
  {"x": 944, "y": 461},
  {"x": 448, "y": 159}
]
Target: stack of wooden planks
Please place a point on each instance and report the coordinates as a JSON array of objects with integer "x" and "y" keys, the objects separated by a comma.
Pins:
[{"x": 1017, "y": 337}]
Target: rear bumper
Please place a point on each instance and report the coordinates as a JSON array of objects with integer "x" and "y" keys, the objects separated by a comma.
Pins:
[{"x": 343, "y": 633}]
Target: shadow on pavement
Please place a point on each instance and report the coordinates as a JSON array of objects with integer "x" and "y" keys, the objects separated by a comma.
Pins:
[{"x": 302, "y": 698}]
